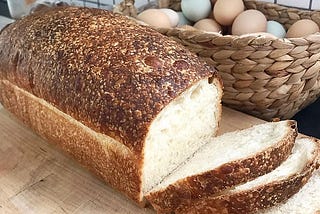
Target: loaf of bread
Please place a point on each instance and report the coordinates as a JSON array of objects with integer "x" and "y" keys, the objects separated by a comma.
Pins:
[{"x": 126, "y": 102}]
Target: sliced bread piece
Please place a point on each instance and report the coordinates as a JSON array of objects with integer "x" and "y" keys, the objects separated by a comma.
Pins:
[
  {"x": 306, "y": 201},
  {"x": 265, "y": 191},
  {"x": 225, "y": 161}
]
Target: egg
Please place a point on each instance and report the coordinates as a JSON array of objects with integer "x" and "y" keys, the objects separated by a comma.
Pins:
[
  {"x": 226, "y": 11},
  {"x": 276, "y": 29},
  {"x": 301, "y": 28},
  {"x": 173, "y": 16},
  {"x": 155, "y": 18},
  {"x": 196, "y": 10},
  {"x": 249, "y": 21},
  {"x": 183, "y": 20},
  {"x": 208, "y": 25}
]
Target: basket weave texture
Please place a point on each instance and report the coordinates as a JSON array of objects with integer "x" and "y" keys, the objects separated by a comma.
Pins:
[{"x": 266, "y": 77}]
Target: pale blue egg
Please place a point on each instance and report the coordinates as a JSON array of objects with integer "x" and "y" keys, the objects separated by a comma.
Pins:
[
  {"x": 195, "y": 10},
  {"x": 276, "y": 29},
  {"x": 183, "y": 20}
]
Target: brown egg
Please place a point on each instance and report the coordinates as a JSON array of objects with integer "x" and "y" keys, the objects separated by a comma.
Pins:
[
  {"x": 226, "y": 11},
  {"x": 249, "y": 21},
  {"x": 301, "y": 28},
  {"x": 155, "y": 18},
  {"x": 208, "y": 25}
]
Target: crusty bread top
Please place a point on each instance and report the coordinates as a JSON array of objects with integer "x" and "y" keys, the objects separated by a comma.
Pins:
[{"x": 101, "y": 68}]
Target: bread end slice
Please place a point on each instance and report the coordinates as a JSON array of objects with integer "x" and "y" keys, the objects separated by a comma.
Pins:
[
  {"x": 306, "y": 201},
  {"x": 266, "y": 191}
]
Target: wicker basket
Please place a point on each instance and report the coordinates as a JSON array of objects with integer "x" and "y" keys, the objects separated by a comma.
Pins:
[{"x": 266, "y": 77}]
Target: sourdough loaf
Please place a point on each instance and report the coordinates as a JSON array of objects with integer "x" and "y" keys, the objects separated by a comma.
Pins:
[
  {"x": 125, "y": 101},
  {"x": 225, "y": 161},
  {"x": 265, "y": 191}
]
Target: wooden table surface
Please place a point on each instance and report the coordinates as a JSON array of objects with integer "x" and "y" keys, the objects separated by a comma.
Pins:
[{"x": 36, "y": 177}]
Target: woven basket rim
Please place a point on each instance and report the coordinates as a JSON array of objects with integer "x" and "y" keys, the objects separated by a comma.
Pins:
[{"x": 255, "y": 39}]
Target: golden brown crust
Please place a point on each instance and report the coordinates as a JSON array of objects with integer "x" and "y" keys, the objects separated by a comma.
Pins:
[
  {"x": 227, "y": 175},
  {"x": 248, "y": 201},
  {"x": 98, "y": 67},
  {"x": 251, "y": 201},
  {"x": 114, "y": 164}
]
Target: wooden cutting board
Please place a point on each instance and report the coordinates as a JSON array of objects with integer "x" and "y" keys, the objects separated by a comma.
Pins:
[{"x": 36, "y": 177}]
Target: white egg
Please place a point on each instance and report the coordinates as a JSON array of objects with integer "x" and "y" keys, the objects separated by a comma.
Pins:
[
  {"x": 275, "y": 28},
  {"x": 196, "y": 10},
  {"x": 173, "y": 16}
]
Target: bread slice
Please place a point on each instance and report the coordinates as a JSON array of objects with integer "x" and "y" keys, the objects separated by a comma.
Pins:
[
  {"x": 125, "y": 101},
  {"x": 225, "y": 161},
  {"x": 306, "y": 201},
  {"x": 265, "y": 191}
]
